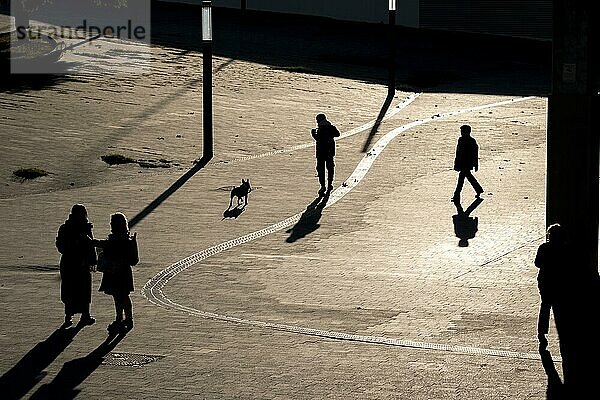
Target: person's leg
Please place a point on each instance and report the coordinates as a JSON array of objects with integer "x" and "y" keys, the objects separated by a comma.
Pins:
[
  {"x": 543, "y": 323},
  {"x": 118, "y": 308},
  {"x": 128, "y": 308},
  {"x": 476, "y": 186},
  {"x": 321, "y": 172},
  {"x": 114, "y": 326},
  {"x": 459, "y": 185},
  {"x": 330, "y": 173},
  {"x": 68, "y": 314}
]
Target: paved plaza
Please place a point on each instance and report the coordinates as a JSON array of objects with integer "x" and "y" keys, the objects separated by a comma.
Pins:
[{"x": 369, "y": 297}]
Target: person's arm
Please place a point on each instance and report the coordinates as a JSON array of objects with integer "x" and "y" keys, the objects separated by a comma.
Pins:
[
  {"x": 456, "y": 157},
  {"x": 313, "y": 132},
  {"x": 60, "y": 240},
  {"x": 134, "y": 256}
]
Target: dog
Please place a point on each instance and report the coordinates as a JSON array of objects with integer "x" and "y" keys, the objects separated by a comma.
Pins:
[{"x": 239, "y": 192}]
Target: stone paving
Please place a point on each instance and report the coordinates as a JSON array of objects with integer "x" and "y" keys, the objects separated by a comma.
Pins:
[{"x": 380, "y": 263}]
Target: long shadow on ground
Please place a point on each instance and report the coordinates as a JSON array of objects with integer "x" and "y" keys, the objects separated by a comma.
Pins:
[
  {"x": 73, "y": 373},
  {"x": 309, "y": 220},
  {"x": 29, "y": 371}
]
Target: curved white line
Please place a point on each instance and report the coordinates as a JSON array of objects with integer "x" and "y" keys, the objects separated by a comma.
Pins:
[
  {"x": 153, "y": 289},
  {"x": 399, "y": 107}
]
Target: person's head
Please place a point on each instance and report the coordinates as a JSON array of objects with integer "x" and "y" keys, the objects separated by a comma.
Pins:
[
  {"x": 78, "y": 212},
  {"x": 555, "y": 233},
  {"x": 118, "y": 223},
  {"x": 321, "y": 117},
  {"x": 465, "y": 130}
]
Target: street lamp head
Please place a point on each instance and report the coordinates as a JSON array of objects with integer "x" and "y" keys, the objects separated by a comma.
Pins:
[
  {"x": 207, "y": 21},
  {"x": 392, "y": 5}
]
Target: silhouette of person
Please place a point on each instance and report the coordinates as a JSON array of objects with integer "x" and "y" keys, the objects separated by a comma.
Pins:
[
  {"x": 119, "y": 254},
  {"x": 549, "y": 259},
  {"x": 570, "y": 290},
  {"x": 466, "y": 159},
  {"x": 324, "y": 136},
  {"x": 74, "y": 242}
]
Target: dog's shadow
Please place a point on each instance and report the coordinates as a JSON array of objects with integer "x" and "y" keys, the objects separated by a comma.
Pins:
[{"x": 233, "y": 212}]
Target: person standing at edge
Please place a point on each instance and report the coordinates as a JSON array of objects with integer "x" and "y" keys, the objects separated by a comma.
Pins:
[
  {"x": 74, "y": 242},
  {"x": 549, "y": 259},
  {"x": 466, "y": 159},
  {"x": 119, "y": 254},
  {"x": 324, "y": 136}
]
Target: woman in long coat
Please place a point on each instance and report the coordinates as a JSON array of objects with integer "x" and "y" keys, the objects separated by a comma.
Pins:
[
  {"x": 74, "y": 242},
  {"x": 119, "y": 254}
]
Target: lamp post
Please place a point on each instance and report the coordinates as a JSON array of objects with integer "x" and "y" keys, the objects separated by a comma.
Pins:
[
  {"x": 392, "y": 49},
  {"x": 207, "y": 80}
]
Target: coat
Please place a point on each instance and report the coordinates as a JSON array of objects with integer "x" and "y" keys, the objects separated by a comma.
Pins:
[
  {"x": 550, "y": 259},
  {"x": 74, "y": 243},
  {"x": 467, "y": 156},
  {"x": 324, "y": 138},
  {"x": 121, "y": 253}
]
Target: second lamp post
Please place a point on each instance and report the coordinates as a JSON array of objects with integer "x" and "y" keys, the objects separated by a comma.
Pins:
[{"x": 207, "y": 114}]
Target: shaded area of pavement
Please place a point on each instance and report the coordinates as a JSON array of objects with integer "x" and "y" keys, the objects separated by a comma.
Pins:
[{"x": 426, "y": 60}]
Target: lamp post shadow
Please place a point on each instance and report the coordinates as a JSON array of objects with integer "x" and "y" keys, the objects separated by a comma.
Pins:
[
  {"x": 384, "y": 109},
  {"x": 167, "y": 193}
]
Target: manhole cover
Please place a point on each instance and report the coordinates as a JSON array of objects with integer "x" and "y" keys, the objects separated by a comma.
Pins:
[{"x": 130, "y": 359}]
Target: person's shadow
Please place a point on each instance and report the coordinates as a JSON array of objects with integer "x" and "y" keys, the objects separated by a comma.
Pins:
[
  {"x": 577, "y": 325},
  {"x": 309, "y": 220},
  {"x": 29, "y": 371},
  {"x": 465, "y": 226},
  {"x": 74, "y": 372}
]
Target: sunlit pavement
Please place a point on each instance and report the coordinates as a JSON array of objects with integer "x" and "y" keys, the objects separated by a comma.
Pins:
[{"x": 368, "y": 298}]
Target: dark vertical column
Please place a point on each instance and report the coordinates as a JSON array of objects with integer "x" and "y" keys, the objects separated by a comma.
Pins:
[
  {"x": 572, "y": 189},
  {"x": 207, "y": 113},
  {"x": 572, "y": 154},
  {"x": 242, "y": 4}
]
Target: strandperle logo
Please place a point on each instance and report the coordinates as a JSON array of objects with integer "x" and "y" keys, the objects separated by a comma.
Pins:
[
  {"x": 128, "y": 31},
  {"x": 85, "y": 34}
]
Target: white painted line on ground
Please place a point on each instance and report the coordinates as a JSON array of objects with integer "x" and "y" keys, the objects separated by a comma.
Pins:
[
  {"x": 399, "y": 107},
  {"x": 275, "y": 256},
  {"x": 153, "y": 289}
]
